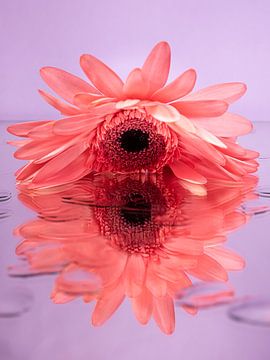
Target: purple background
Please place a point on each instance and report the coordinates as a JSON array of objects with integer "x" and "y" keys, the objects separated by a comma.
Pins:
[{"x": 224, "y": 40}]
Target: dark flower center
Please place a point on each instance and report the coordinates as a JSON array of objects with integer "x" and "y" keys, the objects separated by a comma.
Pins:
[
  {"x": 134, "y": 140},
  {"x": 137, "y": 210}
]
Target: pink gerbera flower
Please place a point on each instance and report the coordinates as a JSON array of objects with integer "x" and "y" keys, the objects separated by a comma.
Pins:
[
  {"x": 138, "y": 125},
  {"x": 140, "y": 238}
]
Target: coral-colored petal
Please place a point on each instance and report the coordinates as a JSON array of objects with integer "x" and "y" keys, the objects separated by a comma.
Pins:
[
  {"x": 163, "y": 314},
  {"x": 163, "y": 112},
  {"x": 156, "y": 285},
  {"x": 143, "y": 306},
  {"x": 227, "y": 258},
  {"x": 185, "y": 246},
  {"x": 229, "y": 92},
  {"x": 183, "y": 124},
  {"x": 64, "y": 108},
  {"x": 194, "y": 189},
  {"x": 65, "y": 84},
  {"x": 202, "y": 149},
  {"x": 108, "y": 303},
  {"x": 60, "y": 161},
  {"x": 84, "y": 100},
  {"x": 43, "y": 131},
  {"x": 74, "y": 171},
  {"x": 22, "y": 129},
  {"x": 129, "y": 103},
  {"x": 27, "y": 171},
  {"x": 134, "y": 275},
  {"x": 156, "y": 68},
  {"x": 183, "y": 171},
  {"x": 201, "y": 108},
  {"x": 226, "y": 125},
  {"x": 180, "y": 87},
  {"x": 209, "y": 269},
  {"x": 136, "y": 85},
  {"x": 71, "y": 126},
  {"x": 104, "y": 78},
  {"x": 210, "y": 138}
]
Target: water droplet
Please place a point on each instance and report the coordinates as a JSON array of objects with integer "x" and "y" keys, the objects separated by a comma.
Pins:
[
  {"x": 14, "y": 301},
  {"x": 205, "y": 295},
  {"x": 255, "y": 311},
  {"x": 5, "y": 196}
]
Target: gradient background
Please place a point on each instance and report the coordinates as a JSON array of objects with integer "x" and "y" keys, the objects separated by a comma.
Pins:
[{"x": 224, "y": 40}]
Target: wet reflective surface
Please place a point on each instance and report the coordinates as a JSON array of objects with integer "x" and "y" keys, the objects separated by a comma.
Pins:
[{"x": 107, "y": 251}]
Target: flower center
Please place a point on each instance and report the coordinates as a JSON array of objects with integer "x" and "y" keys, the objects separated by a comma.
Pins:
[
  {"x": 137, "y": 210},
  {"x": 134, "y": 140}
]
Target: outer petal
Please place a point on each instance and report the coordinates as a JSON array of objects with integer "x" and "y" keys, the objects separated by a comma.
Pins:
[
  {"x": 64, "y": 108},
  {"x": 142, "y": 306},
  {"x": 156, "y": 68},
  {"x": 180, "y": 87},
  {"x": 110, "y": 300},
  {"x": 226, "y": 125},
  {"x": 183, "y": 171},
  {"x": 134, "y": 275},
  {"x": 163, "y": 112},
  {"x": 22, "y": 129},
  {"x": 84, "y": 100},
  {"x": 65, "y": 84},
  {"x": 136, "y": 85},
  {"x": 163, "y": 313},
  {"x": 229, "y": 92},
  {"x": 210, "y": 138},
  {"x": 201, "y": 108},
  {"x": 105, "y": 79},
  {"x": 60, "y": 161}
]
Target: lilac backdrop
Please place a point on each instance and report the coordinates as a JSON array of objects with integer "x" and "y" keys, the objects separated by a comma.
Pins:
[{"x": 224, "y": 40}]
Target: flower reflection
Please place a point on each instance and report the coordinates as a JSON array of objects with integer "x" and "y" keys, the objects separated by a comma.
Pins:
[{"x": 117, "y": 236}]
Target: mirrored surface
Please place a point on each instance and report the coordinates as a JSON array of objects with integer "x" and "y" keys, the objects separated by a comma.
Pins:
[{"x": 101, "y": 271}]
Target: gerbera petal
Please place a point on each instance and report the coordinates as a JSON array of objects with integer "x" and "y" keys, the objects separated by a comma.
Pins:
[
  {"x": 108, "y": 303},
  {"x": 123, "y": 104},
  {"x": 229, "y": 92},
  {"x": 64, "y": 108},
  {"x": 60, "y": 161},
  {"x": 22, "y": 129},
  {"x": 183, "y": 171},
  {"x": 178, "y": 88},
  {"x": 84, "y": 100},
  {"x": 194, "y": 189},
  {"x": 65, "y": 84},
  {"x": 226, "y": 125},
  {"x": 210, "y": 138},
  {"x": 104, "y": 78},
  {"x": 136, "y": 85},
  {"x": 163, "y": 112},
  {"x": 185, "y": 246},
  {"x": 156, "y": 285},
  {"x": 183, "y": 124},
  {"x": 163, "y": 313},
  {"x": 201, "y": 108},
  {"x": 209, "y": 269},
  {"x": 142, "y": 306},
  {"x": 156, "y": 68},
  {"x": 134, "y": 275},
  {"x": 227, "y": 258},
  {"x": 27, "y": 171},
  {"x": 70, "y": 173}
]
